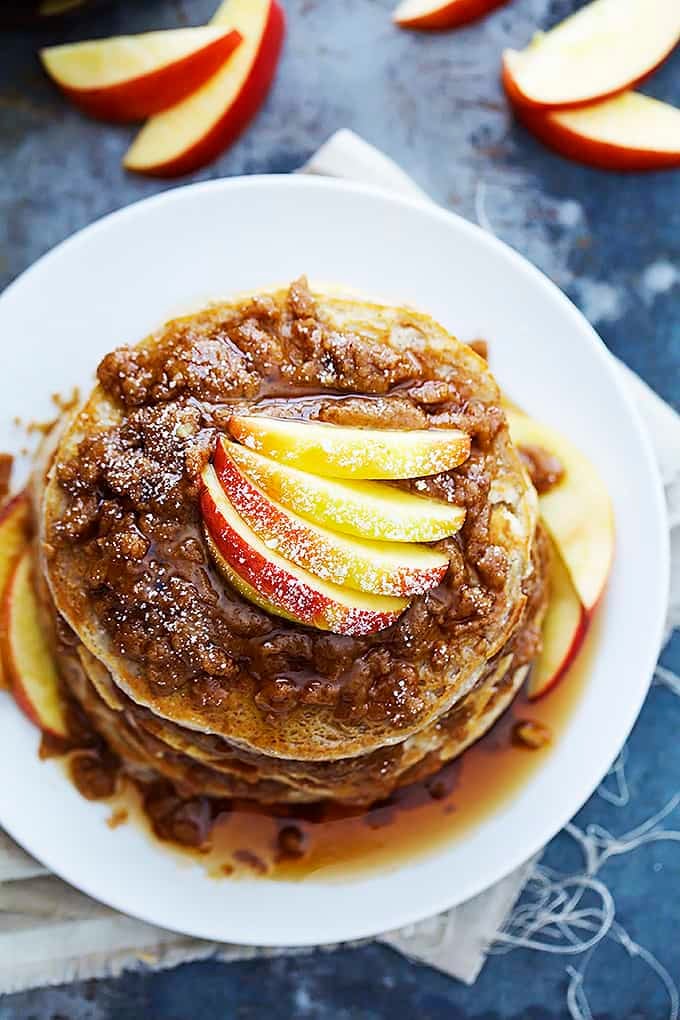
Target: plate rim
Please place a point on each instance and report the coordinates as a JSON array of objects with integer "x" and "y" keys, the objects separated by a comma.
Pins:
[{"x": 569, "y": 804}]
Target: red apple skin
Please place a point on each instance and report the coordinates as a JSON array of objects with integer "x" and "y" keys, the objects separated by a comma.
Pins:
[
  {"x": 152, "y": 93},
  {"x": 564, "y": 629},
  {"x": 601, "y": 155},
  {"x": 253, "y": 93},
  {"x": 305, "y": 604},
  {"x": 520, "y": 101},
  {"x": 571, "y": 653},
  {"x": 452, "y": 15}
]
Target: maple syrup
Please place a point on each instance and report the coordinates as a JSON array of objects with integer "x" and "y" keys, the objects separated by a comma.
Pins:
[{"x": 294, "y": 842}]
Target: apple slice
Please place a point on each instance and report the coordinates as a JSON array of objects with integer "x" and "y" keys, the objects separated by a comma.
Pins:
[
  {"x": 338, "y": 451},
  {"x": 564, "y": 629},
  {"x": 130, "y": 77},
  {"x": 289, "y": 588},
  {"x": 30, "y": 667},
  {"x": 249, "y": 593},
  {"x": 193, "y": 132},
  {"x": 628, "y": 132},
  {"x": 383, "y": 568},
  {"x": 604, "y": 48},
  {"x": 577, "y": 510},
  {"x": 365, "y": 509},
  {"x": 14, "y": 524},
  {"x": 433, "y": 14}
]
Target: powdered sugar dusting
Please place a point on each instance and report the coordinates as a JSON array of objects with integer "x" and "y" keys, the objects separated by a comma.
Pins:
[
  {"x": 346, "y": 452},
  {"x": 309, "y": 600},
  {"x": 379, "y": 567},
  {"x": 363, "y": 508}
]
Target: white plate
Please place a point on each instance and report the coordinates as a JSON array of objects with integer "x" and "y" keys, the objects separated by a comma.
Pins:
[{"x": 126, "y": 274}]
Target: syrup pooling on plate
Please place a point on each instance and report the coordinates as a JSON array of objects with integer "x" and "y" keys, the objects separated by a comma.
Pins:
[{"x": 333, "y": 840}]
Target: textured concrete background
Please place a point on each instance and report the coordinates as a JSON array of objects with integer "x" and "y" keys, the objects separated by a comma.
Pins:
[{"x": 611, "y": 241}]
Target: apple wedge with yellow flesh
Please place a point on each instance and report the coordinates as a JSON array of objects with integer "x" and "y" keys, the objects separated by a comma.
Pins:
[
  {"x": 383, "y": 568},
  {"x": 577, "y": 510},
  {"x": 14, "y": 524},
  {"x": 292, "y": 590},
  {"x": 130, "y": 77},
  {"x": 339, "y": 451},
  {"x": 195, "y": 131},
  {"x": 604, "y": 48},
  {"x": 33, "y": 676},
  {"x": 564, "y": 629},
  {"x": 365, "y": 509},
  {"x": 628, "y": 132},
  {"x": 437, "y": 14}
]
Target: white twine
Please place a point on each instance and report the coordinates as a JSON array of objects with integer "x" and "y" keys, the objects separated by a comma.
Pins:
[
  {"x": 572, "y": 914},
  {"x": 620, "y": 796}
]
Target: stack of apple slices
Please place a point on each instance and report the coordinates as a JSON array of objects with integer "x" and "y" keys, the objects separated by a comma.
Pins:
[
  {"x": 295, "y": 526},
  {"x": 298, "y": 524},
  {"x": 571, "y": 86},
  {"x": 199, "y": 86}
]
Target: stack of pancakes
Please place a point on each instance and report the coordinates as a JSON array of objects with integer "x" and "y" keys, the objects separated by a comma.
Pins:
[{"x": 161, "y": 704}]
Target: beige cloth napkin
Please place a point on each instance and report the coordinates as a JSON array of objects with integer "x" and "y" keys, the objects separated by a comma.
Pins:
[{"x": 50, "y": 933}]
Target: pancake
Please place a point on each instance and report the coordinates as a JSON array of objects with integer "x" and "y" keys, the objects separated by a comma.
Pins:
[
  {"x": 152, "y": 748},
  {"x": 149, "y": 751},
  {"x": 123, "y": 552}
]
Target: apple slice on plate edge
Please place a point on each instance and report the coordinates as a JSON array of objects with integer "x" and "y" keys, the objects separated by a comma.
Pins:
[
  {"x": 578, "y": 515},
  {"x": 26, "y": 665},
  {"x": 31, "y": 670},
  {"x": 133, "y": 77},
  {"x": 564, "y": 629},
  {"x": 436, "y": 14},
  {"x": 14, "y": 524},
  {"x": 193, "y": 132},
  {"x": 577, "y": 510}
]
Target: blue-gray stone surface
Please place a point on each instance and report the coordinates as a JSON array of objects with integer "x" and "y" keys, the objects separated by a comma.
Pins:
[{"x": 612, "y": 242}]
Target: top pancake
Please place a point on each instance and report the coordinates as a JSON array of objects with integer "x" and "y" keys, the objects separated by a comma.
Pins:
[{"x": 128, "y": 568}]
